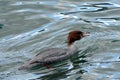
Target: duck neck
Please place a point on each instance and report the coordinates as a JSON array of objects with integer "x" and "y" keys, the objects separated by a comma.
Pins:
[{"x": 72, "y": 47}]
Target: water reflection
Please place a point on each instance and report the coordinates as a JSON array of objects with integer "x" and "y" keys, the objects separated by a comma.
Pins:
[
  {"x": 62, "y": 72},
  {"x": 1, "y": 26}
]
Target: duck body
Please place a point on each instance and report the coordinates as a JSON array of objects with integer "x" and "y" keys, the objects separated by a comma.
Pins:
[{"x": 52, "y": 55}]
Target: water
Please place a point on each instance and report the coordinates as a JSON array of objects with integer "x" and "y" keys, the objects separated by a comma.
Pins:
[{"x": 27, "y": 27}]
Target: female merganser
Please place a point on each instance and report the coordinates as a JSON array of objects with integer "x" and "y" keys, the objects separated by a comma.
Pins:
[{"x": 52, "y": 55}]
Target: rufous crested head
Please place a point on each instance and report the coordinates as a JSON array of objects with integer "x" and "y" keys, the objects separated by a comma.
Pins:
[{"x": 75, "y": 35}]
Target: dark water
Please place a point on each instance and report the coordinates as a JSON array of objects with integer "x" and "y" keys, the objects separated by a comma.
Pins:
[{"x": 28, "y": 26}]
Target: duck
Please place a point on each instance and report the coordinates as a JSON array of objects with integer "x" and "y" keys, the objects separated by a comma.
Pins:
[{"x": 53, "y": 55}]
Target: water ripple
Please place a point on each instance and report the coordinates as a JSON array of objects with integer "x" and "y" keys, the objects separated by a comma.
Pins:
[
  {"x": 90, "y": 7},
  {"x": 27, "y": 27},
  {"x": 33, "y": 3},
  {"x": 26, "y": 10}
]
